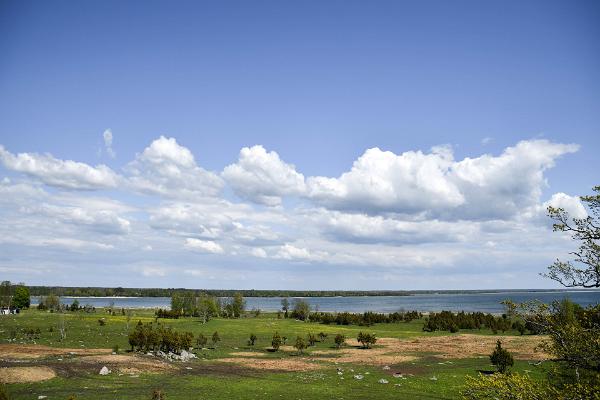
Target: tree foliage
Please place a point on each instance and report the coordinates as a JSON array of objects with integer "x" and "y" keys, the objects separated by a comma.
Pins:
[
  {"x": 501, "y": 358},
  {"x": 21, "y": 297},
  {"x": 584, "y": 270},
  {"x": 276, "y": 341}
]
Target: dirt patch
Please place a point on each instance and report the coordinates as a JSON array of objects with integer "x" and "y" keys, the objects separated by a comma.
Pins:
[
  {"x": 376, "y": 356},
  {"x": 31, "y": 351},
  {"x": 391, "y": 351},
  {"x": 265, "y": 364},
  {"x": 128, "y": 364},
  {"x": 247, "y": 354},
  {"x": 466, "y": 346},
  {"x": 26, "y": 374}
]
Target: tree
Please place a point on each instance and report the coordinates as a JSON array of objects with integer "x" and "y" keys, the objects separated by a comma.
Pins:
[
  {"x": 21, "y": 297},
  {"x": 252, "y": 339},
  {"x": 216, "y": 338},
  {"x": 339, "y": 340},
  {"x": 322, "y": 336},
  {"x": 285, "y": 306},
  {"x": 366, "y": 339},
  {"x": 276, "y": 341},
  {"x": 584, "y": 271},
  {"x": 75, "y": 305},
  {"x": 300, "y": 344},
  {"x": 301, "y": 310},
  {"x": 573, "y": 332},
  {"x": 238, "y": 305},
  {"x": 6, "y": 289},
  {"x": 501, "y": 358},
  {"x": 312, "y": 339}
]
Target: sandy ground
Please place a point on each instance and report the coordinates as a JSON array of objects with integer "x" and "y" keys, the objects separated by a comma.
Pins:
[
  {"x": 32, "y": 351},
  {"x": 273, "y": 364},
  {"x": 393, "y": 351},
  {"x": 26, "y": 374}
]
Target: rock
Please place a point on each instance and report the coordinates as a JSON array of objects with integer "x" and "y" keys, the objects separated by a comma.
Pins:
[
  {"x": 359, "y": 377},
  {"x": 397, "y": 375},
  {"x": 40, "y": 397},
  {"x": 386, "y": 367},
  {"x": 340, "y": 373},
  {"x": 104, "y": 371},
  {"x": 433, "y": 378},
  {"x": 383, "y": 381}
]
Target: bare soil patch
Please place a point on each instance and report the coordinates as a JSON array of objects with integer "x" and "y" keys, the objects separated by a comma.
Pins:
[
  {"x": 128, "y": 364},
  {"x": 266, "y": 364},
  {"x": 26, "y": 374},
  {"x": 31, "y": 351},
  {"x": 391, "y": 351},
  {"x": 467, "y": 346}
]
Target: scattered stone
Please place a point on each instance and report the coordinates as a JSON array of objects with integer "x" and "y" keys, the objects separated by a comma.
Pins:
[
  {"x": 386, "y": 367},
  {"x": 359, "y": 377},
  {"x": 383, "y": 380},
  {"x": 40, "y": 397},
  {"x": 433, "y": 378},
  {"x": 104, "y": 371},
  {"x": 188, "y": 368},
  {"x": 340, "y": 373}
]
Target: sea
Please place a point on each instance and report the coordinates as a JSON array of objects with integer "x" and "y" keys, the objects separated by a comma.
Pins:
[{"x": 489, "y": 302}]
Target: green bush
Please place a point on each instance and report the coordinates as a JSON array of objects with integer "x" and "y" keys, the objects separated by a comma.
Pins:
[{"x": 501, "y": 358}]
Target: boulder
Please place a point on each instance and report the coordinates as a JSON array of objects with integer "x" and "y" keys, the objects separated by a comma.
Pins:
[{"x": 104, "y": 371}]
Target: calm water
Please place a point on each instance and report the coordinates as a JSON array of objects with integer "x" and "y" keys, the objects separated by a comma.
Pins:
[{"x": 486, "y": 302}]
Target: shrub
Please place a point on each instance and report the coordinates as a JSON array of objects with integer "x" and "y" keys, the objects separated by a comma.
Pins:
[
  {"x": 252, "y": 339},
  {"x": 322, "y": 336},
  {"x": 339, "y": 340},
  {"x": 216, "y": 338},
  {"x": 4, "y": 392},
  {"x": 101, "y": 322},
  {"x": 300, "y": 344},
  {"x": 158, "y": 394},
  {"x": 312, "y": 339},
  {"x": 201, "y": 340},
  {"x": 366, "y": 339},
  {"x": 501, "y": 358},
  {"x": 276, "y": 341}
]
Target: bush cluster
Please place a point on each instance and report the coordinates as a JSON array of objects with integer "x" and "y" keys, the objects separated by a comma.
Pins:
[
  {"x": 146, "y": 337},
  {"x": 365, "y": 319},
  {"x": 449, "y": 321}
]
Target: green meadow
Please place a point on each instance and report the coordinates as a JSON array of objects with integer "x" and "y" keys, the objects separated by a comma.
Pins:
[{"x": 427, "y": 376}]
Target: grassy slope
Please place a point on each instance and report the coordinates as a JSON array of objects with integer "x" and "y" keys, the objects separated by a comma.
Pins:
[{"x": 83, "y": 330}]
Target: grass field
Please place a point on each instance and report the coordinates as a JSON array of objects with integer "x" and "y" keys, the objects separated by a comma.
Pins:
[{"x": 433, "y": 365}]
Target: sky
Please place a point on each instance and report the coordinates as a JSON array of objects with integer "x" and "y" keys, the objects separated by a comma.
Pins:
[{"x": 294, "y": 145}]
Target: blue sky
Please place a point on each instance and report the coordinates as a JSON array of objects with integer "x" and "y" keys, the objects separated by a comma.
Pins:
[{"x": 507, "y": 94}]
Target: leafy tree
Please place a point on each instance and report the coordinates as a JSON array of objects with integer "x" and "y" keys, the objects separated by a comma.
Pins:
[
  {"x": 21, "y": 297},
  {"x": 366, "y": 339},
  {"x": 300, "y": 344},
  {"x": 252, "y": 339},
  {"x": 573, "y": 332},
  {"x": 75, "y": 305},
  {"x": 322, "y": 336},
  {"x": 584, "y": 271},
  {"x": 339, "y": 340},
  {"x": 215, "y": 338},
  {"x": 301, "y": 310},
  {"x": 276, "y": 341},
  {"x": 285, "y": 306},
  {"x": 501, "y": 358},
  {"x": 6, "y": 294},
  {"x": 312, "y": 339}
]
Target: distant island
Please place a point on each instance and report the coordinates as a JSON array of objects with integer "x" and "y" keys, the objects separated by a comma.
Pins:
[{"x": 168, "y": 292}]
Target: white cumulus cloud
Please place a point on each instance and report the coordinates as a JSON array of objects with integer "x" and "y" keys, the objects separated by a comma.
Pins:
[
  {"x": 262, "y": 177},
  {"x": 169, "y": 169},
  {"x": 108, "y": 140},
  {"x": 65, "y": 174}
]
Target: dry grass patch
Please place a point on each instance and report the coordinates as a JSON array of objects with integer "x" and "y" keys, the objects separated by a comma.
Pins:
[
  {"x": 25, "y": 374},
  {"x": 30, "y": 351},
  {"x": 266, "y": 364},
  {"x": 392, "y": 351},
  {"x": 128, "y": 363}
]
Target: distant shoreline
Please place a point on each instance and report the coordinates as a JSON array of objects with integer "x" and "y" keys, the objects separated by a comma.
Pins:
[{"x": 121, "y": 293}]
